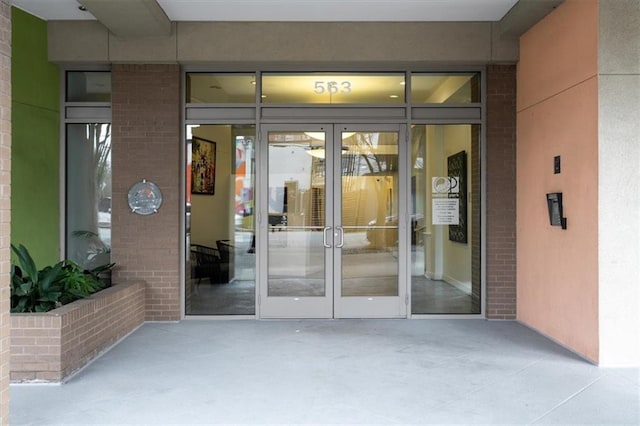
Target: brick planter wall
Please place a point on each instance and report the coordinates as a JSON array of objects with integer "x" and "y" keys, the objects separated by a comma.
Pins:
[{"x": 48, "y": 347}]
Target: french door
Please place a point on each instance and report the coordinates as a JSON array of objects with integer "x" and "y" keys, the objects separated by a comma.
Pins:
[{"x": 332, "y": 222}]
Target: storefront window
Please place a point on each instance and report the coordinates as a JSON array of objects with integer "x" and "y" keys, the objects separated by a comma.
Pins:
[
  {"x": 215, "y": 88},
  {"x": 445, "y": 219},
  {"x": 220, "y": 210},
  {"x": 316, "y": 88},
  {"x": 450, "y": 88},
  {"x": 88, "y": 86},
  {"x": 88, "y": 192}
]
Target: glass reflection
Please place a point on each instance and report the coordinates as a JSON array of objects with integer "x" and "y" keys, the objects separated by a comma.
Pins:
[
  {"x": 451, "y": 88},
  {"x": 220, "y": 221},
  {"x": 88, "y": 194},
  {"x": 296, "y": 205},
  {"x": 370, "y": 214},
  {"x": 316, "y": 88},
  {"x": 445, "y": 246},
  {"x": 88, "y": 86},
  {"x": 220, "y": 88}
]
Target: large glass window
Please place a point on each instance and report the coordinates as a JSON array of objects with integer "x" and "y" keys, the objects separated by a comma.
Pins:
[
  {"x": 88, "y": 86},
  {"x": 88, "y": 203},
  {"x": 221, "y": 88},
  {"x": 220, "y": 220},
  {"x": 370, "y": 167},
  {"x": 443, "y": 200},
  {"x": 449, "y": 88},
  {"x": 445, "y": 238},
  {"x": 316, "y": 88}
]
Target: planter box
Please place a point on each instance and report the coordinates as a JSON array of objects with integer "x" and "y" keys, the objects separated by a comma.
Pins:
[{"x": 49, "y": 347}]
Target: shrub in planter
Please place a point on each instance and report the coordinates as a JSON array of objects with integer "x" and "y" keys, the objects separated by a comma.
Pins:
[{"x": 34, "y": 290}]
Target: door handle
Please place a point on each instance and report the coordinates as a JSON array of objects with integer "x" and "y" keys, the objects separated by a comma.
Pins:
[
  {"x": 341, "y": 243},
  {"x": 324, "y": 236}
]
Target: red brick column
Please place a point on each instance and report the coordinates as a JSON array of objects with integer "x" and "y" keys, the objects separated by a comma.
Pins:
[
  {"x": 146, "y": 145},
  {"x": 501, "y": 192}
]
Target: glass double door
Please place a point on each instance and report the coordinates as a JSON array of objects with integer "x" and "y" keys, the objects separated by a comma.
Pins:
[{"x": 331, "y": 226}]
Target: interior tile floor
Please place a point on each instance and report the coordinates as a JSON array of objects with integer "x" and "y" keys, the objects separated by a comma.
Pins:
[
  {"x": 238, "y": 297},
  {"x": 335, "y": 372}
]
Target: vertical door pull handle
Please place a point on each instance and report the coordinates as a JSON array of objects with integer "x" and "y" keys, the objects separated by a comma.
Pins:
[
  {"x": 341, "y": 230},
  {"x": 324, "y": 236}
]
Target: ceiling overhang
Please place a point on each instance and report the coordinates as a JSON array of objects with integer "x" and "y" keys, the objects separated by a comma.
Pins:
[
  {"x": 130, "y": 18},
  {"x": 153, "y": 18},
  {"x": 524, "y": 15}
]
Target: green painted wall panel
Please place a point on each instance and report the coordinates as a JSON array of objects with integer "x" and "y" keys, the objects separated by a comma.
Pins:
[
  {"x": 35, "y": 218},
  {"x": 34, "y": 80},
  {"x": 35, "y": 182}
]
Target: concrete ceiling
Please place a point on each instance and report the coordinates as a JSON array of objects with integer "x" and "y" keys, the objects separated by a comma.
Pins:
[{"x": 140, "y": 18}]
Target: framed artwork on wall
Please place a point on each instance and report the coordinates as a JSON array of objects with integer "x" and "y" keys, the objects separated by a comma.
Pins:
[
  {"x": 457, "y": 168},
  {"x": 203, "y": 166}
]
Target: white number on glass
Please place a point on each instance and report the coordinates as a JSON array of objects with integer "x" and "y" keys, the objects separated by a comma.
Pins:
[{"x": 332, "y": 87}]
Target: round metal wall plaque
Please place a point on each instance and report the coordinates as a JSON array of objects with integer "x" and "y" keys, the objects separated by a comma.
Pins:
[{"x": 145, "y": 198}]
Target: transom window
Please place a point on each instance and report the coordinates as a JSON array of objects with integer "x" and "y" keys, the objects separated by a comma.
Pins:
[{"x": 314, "y": 88}]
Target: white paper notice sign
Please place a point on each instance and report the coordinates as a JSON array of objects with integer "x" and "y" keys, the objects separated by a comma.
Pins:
[{"x": 445, "y": 211}]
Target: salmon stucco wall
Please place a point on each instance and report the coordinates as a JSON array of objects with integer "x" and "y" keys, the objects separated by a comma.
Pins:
[{"x": 557, "y": 115}]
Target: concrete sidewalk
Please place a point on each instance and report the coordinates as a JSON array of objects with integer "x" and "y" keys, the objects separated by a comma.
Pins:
[{"x": 335, "y": 372}]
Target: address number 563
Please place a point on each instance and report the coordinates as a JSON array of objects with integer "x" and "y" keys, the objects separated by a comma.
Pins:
[{"x": 332, "y": 87}]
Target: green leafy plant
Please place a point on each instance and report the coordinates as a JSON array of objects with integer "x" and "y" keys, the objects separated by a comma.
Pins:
[
  {"x": 34, "y": 290},
  {"x": 77, "y": 283},
  {"x": 102, "y": 273}
]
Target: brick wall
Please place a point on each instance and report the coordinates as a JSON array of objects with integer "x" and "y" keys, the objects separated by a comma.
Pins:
[
  {"x": 146, "y": 145},
  {"x": 501, "y": 192},
  {"x": 5, "y": 203},
  {"x": 53, "y": 345}
]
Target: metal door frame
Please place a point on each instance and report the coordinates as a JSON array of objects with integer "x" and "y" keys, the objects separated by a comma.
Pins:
[
  {"x": 376, "y": 306},
  {"x": 331, "y": 305}
]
